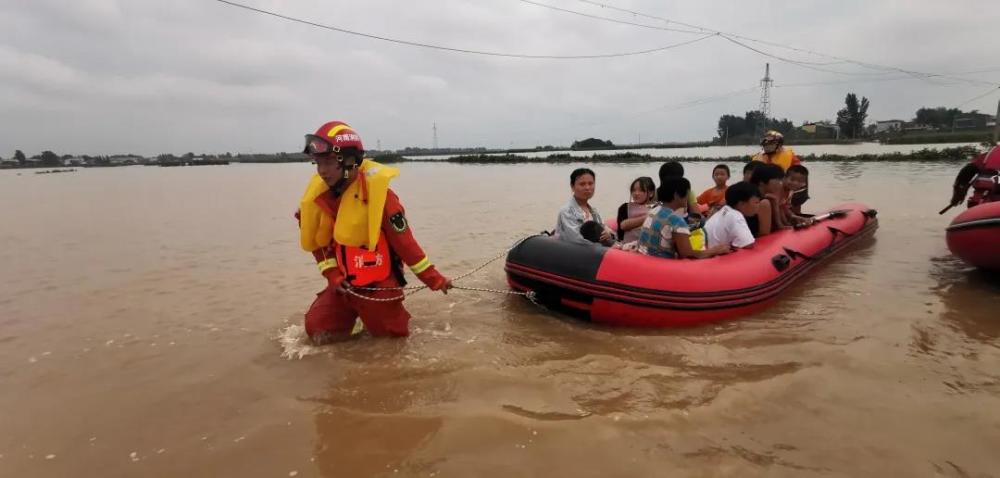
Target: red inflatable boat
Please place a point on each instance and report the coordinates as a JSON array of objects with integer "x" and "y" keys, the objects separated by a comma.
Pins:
[
  {"x": 974, "y": 236},
  {"x": 622, "y": 288}
]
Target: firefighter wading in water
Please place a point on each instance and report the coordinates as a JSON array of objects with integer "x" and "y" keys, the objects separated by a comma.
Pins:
[{"x": 356, "y": 228}]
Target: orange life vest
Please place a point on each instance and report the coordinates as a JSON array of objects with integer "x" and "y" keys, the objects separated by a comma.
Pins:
[{"x": 784, "y": 157}]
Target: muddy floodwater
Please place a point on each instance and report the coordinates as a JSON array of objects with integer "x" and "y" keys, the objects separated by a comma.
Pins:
[{"x": 150, "y": 325}]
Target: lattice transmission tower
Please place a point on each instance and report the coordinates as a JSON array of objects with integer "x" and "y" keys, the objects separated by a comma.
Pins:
[{"x": 765, "y": 101}]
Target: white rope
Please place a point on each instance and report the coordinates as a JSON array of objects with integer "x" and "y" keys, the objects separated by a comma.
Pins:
[{"x": 410, "y": 290}]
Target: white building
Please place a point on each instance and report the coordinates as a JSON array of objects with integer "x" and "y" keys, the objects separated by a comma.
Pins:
[{"x": 888, "y": 126}]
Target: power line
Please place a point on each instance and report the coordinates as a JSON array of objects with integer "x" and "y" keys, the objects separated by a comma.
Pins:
[
  {"x": 803, "y": 64},
  {"x": 732, "y": 36},
  {"x": 842, "y": 82},
  {"x": 459, "y": 50},
  {"x": 640, "y": 14},
  {"x": 612, "y": 20},
  {"x": 662, "y": 109},
  {"x": 987, "y": 93}
]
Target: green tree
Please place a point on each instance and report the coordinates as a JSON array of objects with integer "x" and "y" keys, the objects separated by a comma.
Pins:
[
  {"x": 851, "y": 118},
  {"x": 20, "y": 157},
  {"x": 940, "y": 117},
  {"x": 48, "y": 158},
  {"x": 591, "y": 143},
  {"x": 731, "y": 126}
]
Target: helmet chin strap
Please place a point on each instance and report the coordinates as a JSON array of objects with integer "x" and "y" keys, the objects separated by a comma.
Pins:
[{"x": 343, "y": 182}]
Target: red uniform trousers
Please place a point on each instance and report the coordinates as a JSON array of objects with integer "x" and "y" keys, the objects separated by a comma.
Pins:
[{"x": 332, "y": 314}]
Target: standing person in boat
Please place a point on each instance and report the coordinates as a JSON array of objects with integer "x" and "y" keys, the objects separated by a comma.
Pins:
[
  {"x": 357, "y": 230},
  {"x": 774, "y": 151},
  {"x": 578, "y": 210},
  {"x": 666, "y": 233},
  {"x": 768, "y": 178},
  {"x": 632, "y": 214},
  {"x": 983, "y": 175}
]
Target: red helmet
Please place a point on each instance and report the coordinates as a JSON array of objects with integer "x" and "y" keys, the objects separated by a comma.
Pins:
[{"x": 334, "y": 137}]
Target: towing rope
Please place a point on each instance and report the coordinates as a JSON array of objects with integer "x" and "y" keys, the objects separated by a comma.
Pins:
[{"x": 410, "y": 290}]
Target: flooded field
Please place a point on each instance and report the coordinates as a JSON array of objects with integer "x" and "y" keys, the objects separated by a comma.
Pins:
[{"x": 150, "y": 326}]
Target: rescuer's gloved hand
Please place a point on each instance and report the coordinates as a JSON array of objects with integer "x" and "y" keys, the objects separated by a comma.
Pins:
[{"x": 434, "y": 280}]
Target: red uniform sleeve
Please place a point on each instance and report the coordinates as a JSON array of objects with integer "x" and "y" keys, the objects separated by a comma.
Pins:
[
  {"x": 796, "y": 160},
  {"x": 398, "y": 233}
]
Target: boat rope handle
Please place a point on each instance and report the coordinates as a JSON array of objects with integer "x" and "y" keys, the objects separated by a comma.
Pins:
[
  {"x": 793, "y": 254},
  {"x": 836, "y": 231}
]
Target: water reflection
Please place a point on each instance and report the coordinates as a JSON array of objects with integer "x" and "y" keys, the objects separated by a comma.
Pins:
[
  {"x": 971, "y": 298},
  {"x": 351, "y": 443},
  {"x": 376, "y": 418},
  {"x": 847, "y": 170}
]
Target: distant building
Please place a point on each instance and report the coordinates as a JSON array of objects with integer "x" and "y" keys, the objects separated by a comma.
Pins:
[
  {"x": 971, "y": 121},
  {"x": 913, "y": 126},
  {"x": 821, "y": 130},
  {"x": 889, "y": 126},
  {"x": 125, "y": 159},
  {"x": 8, "y": 163},
  {"x": 74, "y": 161}
]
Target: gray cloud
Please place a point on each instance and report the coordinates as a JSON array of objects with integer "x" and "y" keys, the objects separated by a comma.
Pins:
[{"x": 106, "y": 76}]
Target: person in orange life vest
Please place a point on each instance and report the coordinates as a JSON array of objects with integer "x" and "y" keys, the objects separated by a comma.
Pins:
[
  {"x": 774, "y": 151},
  {"x": 356, "y": 228},
  {"x": 983, "y": 175}
]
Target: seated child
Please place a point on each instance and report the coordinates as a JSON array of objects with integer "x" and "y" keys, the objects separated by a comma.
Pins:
[
  {"x": 715, "y": 196},
  {"x": 673, "y": 169},
  {"x": 632, "y": 214},
  {"x": 728, "y": 226},
  {"x": 794, "y": 191},
  {"x": 666, "y": 233},
  {"x": 768, "y": 178},
  {"x": 797, "y": 187},
  {"x": 592, "y": 231}
]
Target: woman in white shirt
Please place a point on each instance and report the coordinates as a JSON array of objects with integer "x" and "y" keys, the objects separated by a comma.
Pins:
[{"x": 578, "y": 210}]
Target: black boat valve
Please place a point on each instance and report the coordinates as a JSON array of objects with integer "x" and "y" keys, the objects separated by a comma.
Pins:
[{"x": 781, "y": 262}]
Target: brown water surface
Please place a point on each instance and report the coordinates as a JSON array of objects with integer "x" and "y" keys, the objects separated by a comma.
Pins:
[{"x": 144, "y": 314}]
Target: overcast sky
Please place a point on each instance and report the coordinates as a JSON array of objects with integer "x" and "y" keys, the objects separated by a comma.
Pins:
[{"x": 151, "y": 76}]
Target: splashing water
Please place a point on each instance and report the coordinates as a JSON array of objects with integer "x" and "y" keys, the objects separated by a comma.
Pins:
[{"x": 295, "y": 344}]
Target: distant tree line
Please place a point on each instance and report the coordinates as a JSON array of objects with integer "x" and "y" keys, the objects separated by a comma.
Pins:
[
  {"x": 592, "y": 143},
  {"x": 733, "y": 126}
]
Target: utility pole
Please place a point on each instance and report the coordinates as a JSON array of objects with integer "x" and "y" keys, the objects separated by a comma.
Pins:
[
  {"x": 435, "y": 135},
  {"x": 378, "y": 144},
  {"x": 765, "y": 100}
]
